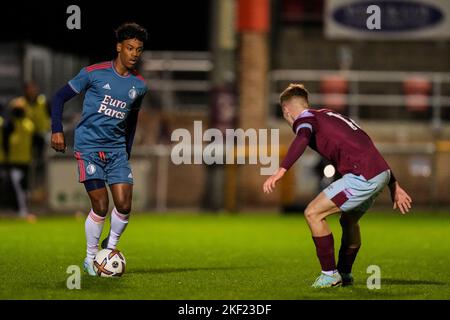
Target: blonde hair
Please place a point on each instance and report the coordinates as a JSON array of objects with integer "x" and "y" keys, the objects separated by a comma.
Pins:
[{"x": 294, "y": 90}]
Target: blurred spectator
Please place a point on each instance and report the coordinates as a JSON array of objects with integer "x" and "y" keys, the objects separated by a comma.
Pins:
[
  {"x": 6, "y": 189},
  {"x": 17, "y": 141},
  {"x": 3, "y": 170},
  {"x": 36, "y": 109}
]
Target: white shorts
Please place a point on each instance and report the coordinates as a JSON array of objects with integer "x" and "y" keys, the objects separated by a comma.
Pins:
[{"x": 355, "y": 193}]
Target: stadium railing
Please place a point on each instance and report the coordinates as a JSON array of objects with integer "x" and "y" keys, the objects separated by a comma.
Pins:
[
  {"x": 387, "y": 92},
  {"x": 180, "y": 80}
]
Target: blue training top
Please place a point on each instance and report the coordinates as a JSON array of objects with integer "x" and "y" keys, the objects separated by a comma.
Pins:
[{"x": 108, "y": 100}]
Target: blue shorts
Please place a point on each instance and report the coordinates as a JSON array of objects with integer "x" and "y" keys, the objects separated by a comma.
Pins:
[
  {"x": 111, "y": 167},
  {"x": 355, "y": 193}
]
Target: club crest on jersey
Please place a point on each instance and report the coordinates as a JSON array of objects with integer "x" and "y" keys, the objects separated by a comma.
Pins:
[
  {"x": 132, "y": 93},
  {"x": 90, "y": 169}
]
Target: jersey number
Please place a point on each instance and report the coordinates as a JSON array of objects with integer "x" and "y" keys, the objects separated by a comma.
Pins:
[{"x": 348, "y": 121}]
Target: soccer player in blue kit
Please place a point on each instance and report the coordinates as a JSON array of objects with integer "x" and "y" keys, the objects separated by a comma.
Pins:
[{"x": 113, "y": 92}]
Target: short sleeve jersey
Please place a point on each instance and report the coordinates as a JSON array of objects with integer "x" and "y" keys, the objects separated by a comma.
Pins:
[
  {"x": 109, "y": 98},
  {"x": 342, "y": 142}
]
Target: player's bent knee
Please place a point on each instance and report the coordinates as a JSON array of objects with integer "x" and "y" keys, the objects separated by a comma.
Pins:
[
  {"x": 311, "y": 214},
  {"x": 100, "y": 209},
  {"x": 123, "y": 208}
]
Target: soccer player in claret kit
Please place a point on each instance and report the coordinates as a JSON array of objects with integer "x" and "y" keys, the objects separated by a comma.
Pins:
[
  {"x": 364, "y": 175},
  {"x": 113, "y": 92}
]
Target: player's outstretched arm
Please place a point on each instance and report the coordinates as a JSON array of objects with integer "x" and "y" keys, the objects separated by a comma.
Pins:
[
  {"x": 58, "y": 142},
  {"x": 269, "y": 185},
  {"x": 131, "y": 122},
  {"x": 296, "y": 149},
  {"x": 400, "y": 198},
  {"x": 63, "y": 95}
]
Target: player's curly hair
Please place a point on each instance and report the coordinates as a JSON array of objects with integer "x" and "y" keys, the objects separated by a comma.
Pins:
[
  {"x": 131, "y": 30},
  {"x": 294, "y": 90}
]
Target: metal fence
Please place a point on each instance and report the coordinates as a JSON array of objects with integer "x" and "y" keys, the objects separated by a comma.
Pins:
[
  {"x": 378, "y": 90},
  {"x": 179, "y": 80}
]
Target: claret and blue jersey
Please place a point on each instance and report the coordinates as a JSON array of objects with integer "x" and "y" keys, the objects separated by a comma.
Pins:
[{"x": 109, "y": 98}]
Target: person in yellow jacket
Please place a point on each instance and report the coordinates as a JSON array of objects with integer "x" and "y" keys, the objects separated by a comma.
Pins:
[
  {"x": 17, "y": 154},
  {"x": 3, "y": 168},
  {"x": 36, "y": 109}
]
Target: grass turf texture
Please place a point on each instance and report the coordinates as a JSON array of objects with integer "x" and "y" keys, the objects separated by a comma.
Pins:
[{"x": 226, "y": 257}]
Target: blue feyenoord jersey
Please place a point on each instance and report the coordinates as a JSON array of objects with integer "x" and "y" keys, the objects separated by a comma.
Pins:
[{"x": 109, "y": 98}]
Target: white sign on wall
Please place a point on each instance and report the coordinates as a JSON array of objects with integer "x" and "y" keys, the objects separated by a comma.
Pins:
[
  {"x": 387, "y": 19},
  {"x": 67, "y": 194}
]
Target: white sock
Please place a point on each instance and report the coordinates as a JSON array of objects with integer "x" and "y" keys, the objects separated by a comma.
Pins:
[
  {"x": 93, "y": 229},
  {"x": 330, "y": 273},
  {"x": 119, "y": 223}
]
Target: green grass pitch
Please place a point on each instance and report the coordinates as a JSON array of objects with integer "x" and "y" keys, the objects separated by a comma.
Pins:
[{"x": 201, "y": 256}]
